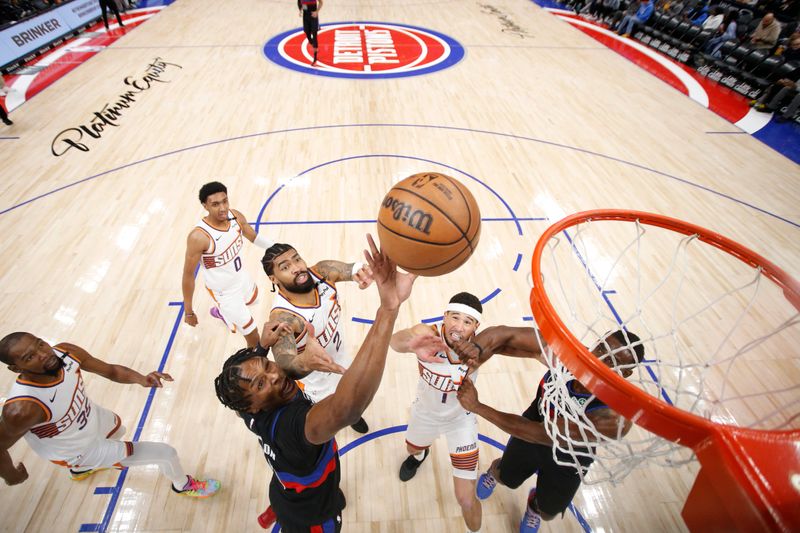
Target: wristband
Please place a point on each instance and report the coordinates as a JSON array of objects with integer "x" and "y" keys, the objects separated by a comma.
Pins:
[
  {"x": 358, "y": 265},
  {"x": 189, "y": 314},
  {"x": 260, "y": 350},
  {"x": 263, "y": 242}
]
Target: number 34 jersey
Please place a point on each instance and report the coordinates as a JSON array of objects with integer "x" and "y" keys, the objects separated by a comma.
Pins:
[{"x": 72, "y": 422}]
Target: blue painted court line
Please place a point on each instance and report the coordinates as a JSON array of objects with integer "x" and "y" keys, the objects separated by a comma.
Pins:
[
  {"x": 373, "y": 221},
  {"x": 117, "y": 489},
  {"x": 397, "y": 156},
  {"x": 422, "y": 126},
  {"x": 517, "y": 262}
]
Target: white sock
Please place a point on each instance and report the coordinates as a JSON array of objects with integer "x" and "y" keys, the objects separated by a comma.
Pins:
[
  {"x": 420, "y": 456},
  {"x": 162, "y": 455}
]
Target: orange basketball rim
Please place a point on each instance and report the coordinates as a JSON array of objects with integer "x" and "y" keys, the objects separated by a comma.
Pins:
[{"x": 749, "y": 480}]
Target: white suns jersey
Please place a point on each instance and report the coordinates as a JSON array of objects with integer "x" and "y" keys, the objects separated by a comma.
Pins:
[
  {"x": 438, "y": 382},
  {"x": 72, "y": 423},
  {"x": 221, "y": 261},
  {"x": 324, "y": 316}
]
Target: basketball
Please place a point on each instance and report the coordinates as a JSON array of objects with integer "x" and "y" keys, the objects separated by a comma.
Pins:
[{"x": 429, "y": 224}]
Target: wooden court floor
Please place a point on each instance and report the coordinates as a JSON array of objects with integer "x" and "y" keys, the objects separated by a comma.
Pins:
[{"x": 538, "y": 126}]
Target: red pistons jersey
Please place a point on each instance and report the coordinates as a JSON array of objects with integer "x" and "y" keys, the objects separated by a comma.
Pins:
[
  {"x": 221, "y": 261},
  {"x": 72, "y": 424}
]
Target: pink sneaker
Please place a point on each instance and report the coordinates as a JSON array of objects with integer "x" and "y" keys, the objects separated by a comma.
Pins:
[
  {"x": 214, "y": 311},
  {"x": 198, "y": 488}
]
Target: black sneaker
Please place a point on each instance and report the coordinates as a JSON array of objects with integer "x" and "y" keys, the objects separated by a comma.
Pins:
[
  {"x": 409, "y": 467},
  {"x": 360, "y": 426}
]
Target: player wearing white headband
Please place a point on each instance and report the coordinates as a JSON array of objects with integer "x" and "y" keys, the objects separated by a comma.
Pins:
[{"x": 436, "y": 409}]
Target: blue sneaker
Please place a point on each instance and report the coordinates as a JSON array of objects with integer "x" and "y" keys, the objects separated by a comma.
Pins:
[
  {"x": 485, "y": 486},
  {"x": 531, "y": 520}
]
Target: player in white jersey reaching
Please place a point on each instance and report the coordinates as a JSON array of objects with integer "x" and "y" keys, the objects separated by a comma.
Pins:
[
  {"x": 436, "y": 409},
  {"x": 48, "y": 405},
  {"x": 216, "y": 243},
  {"x": 308, "y": 302}
]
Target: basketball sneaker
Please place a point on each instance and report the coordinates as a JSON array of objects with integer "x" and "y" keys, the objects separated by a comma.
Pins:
[
  {"x": 409, "y": 467},
  {"x": 81, "y": 475},
  {"x": 485, "y": 486},
  {"x": 531, "y": 520},
  {"x": 198, "y": 488},
  {"x": 267, "y": 518},
  {"x": 214, "y": 311}
]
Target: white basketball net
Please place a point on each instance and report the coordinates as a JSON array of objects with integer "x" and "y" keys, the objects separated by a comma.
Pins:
[{"x": 720, "y": 339}]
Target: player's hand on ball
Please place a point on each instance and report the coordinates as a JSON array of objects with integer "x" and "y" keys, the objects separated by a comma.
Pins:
[
  {"x": 18, "y": 475},
  {"x": 314, "y": 357},
  {"x": 468, "y": 395},
  {"x": 394, "y": 288},
  {"x": 427, "y": 346},
  {"x": 272, "y": 331},
  {"x": 363, "y": 277},
  {"x": 153, "y": 379}
]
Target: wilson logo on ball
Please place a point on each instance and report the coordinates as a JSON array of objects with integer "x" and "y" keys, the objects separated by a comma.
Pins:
[
  {"x": 415, "y": 218},
  {"x": 366, "y": 50},
  {"x": 429, "y": 224}
]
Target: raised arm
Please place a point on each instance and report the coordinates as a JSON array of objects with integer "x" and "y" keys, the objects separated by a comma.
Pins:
[
  {"x": 361, "y": 381},
  {"x": 335, "y": 271},
  {"x": 16, "y": 419},
  {"x": 117, "y": 373},
  {"x": 196, "y": 243}
]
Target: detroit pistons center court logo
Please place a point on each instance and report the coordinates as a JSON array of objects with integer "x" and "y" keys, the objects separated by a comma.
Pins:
[{"x": 366, "y": 50}]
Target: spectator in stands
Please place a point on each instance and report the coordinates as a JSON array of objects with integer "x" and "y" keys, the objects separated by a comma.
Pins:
[
  {"x": 602, "y": 9},
  {"x": 629, "y": 22},
  {"x": 725, "y": 32},
  {"x": 778, "y": 93},
  {"x": 630, "y": 9},
  {"x": 714, "y": 19},
  {"x": 674, "y": 8},
  {"x": 765, "y": 36},
  {"x": 699, "y": 14},
  {"x": 791, "y": 52}
]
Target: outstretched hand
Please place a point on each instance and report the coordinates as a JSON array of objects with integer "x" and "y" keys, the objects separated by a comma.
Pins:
[
  {"x": 314, "y": 357},
  {"x": 153, "y": 379},
  {"x": 394, "y": 288},
  {"x": 272, "y": 331},
  {"x": 427, "y": 346},
  {"x": 468, "y": 395},
  {"x": 363, "y": 277}
]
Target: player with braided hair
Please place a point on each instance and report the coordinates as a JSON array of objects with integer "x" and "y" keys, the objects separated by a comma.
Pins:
[{"x": 296, "y": 435}]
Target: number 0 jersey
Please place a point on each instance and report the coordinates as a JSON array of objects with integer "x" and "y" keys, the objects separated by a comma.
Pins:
[
  {"x": 222, "y": 265},
  {"x": 72, "y": 422}
]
